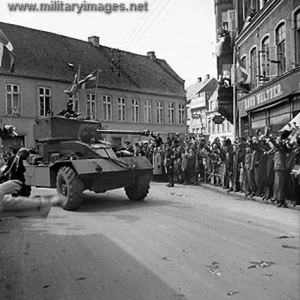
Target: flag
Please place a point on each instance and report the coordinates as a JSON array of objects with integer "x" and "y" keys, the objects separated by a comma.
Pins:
[
  {"x": 242, "y": 77},
  {"x": 7, "y": 57},
  {"x": 219, "y": 46},
  {"x": 73, "y": 88},
  {"x": 89, "y": 81}
]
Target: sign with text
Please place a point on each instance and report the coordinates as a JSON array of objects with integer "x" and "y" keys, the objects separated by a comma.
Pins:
[{"x": 272, "y": 93}]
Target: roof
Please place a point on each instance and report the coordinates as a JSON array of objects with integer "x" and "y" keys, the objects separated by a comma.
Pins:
[
  {"x": 197, "y": 88},
  {"x": 45, "y": 55}
]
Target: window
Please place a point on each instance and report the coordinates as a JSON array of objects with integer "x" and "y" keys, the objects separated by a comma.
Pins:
[
  {"x": 209, "y": 126},
  {"x": 226, "y": 70},
  {"x": 265, "y": 60},
  {"x": 228, "y": 126},
  {"x": 253, "y": 68},
  {"x": 208, "y": 95},
  {"x": 181, "y": 112},
  {"x": 224, "y": 17},
  {"x": 106, "y": 108},
  {"x": 297, "y": 37},
  {"x": 280, "y": 47},
  {"x": 75, "y": 102},
  {"x": 90, "y": 106},
  {"x": 13, "y": 105},
  {"x": 121, "y": 109},
  {"x": 148, "y": 113},
  {"x": 135, "y": 110},
  {"x": 159, "y": 113},
  {"x": 45, "y": 101},
  {"x": 223, "y": 127},
  {"x": 171, "y": 113}
]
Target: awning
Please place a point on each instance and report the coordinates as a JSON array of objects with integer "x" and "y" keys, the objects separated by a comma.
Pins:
[{"x": 293, "y": 122}]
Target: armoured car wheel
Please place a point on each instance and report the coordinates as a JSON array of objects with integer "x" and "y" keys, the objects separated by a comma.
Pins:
[
  {"x": 69, "y": 187},
  {"x": 139, "y": 190}
]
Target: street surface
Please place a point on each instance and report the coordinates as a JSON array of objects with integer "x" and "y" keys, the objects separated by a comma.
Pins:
[{"x": 184, "y": 242}]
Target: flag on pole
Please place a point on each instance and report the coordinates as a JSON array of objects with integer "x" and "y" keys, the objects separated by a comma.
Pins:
[
  {"x": 73, "y": 88},
  {"x": 242, "y": 76},
  {"x": 89, "y": 81},
  {"x": 7, "y": 57}
]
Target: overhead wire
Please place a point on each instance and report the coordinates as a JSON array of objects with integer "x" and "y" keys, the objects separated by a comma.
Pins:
[
  {"x": 142, "y": 22},
  {"x": 153, "y": 20}
]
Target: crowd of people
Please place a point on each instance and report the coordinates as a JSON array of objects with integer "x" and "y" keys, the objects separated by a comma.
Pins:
[{"x": 262, "y": 166}]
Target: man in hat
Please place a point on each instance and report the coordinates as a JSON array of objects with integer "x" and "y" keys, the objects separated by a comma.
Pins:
[
  {"x": 127, "y": 150},
  {"x": 68, "y": 112}
]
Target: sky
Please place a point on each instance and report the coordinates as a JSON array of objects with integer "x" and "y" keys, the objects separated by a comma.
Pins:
[{"x": 180, "y": 31}]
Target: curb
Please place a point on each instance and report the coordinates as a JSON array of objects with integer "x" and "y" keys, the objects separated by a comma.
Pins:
[{"x": 242, "y": 196}]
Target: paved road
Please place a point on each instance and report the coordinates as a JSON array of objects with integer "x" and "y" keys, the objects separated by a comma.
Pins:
[{"x": 182, "y": 243}]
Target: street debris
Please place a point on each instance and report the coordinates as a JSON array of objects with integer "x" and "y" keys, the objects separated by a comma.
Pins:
[
  {"x": 231, "y": 293},
  {"x": 80, "y": 278},
  {"x": 262, "y": 264},
  {"x": 165, "y": 258},
  {"x": 268, "y": 275},
  {"x": 46, "y": 286},
  {"x": 179, "y": 295},
  {"x": 214, "y": 269},
  {"x": 285, "y": 237},
  {"x": 184, "y": 251},
  {"x": 289, "y": 247}
]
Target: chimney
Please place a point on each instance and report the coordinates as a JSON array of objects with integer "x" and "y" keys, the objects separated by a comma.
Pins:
[
  {"x": 207, "y": 77},
  {"x": 94, "y": 40},
  {"x": 151, "y": 54},
  {"x": 199, "y": 79}
]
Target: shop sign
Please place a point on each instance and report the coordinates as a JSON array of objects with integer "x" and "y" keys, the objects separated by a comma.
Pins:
[
  {"x": 263, "y": 97},
  {"x": 269, "y": 94}
]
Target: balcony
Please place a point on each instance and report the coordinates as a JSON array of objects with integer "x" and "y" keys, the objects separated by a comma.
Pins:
[{"x": 225, "y": 102}]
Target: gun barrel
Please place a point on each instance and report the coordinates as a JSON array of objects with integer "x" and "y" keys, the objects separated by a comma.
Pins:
[{"x": 132, "y": 132}]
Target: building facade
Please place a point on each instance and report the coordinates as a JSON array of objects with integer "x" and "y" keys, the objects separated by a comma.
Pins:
[
  {"x": 268, "y": 43},
  {"x": 221, "y": 131},
  {"x": 134, "y": 92},
  {"x": 198, "y": 95},
  {"x": 222, "y": 102}
]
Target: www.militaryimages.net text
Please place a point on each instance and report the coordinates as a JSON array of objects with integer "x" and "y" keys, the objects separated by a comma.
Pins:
[{"x": 61, "y": 6}]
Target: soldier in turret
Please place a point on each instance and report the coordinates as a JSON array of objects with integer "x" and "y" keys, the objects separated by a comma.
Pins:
[{"x": 68, "y": 112}]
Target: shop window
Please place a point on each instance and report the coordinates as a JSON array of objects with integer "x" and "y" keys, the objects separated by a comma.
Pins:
[
  {"x": 265, "y": 60},
  {"x": 253, "y": 68},
  {"x": 281, "y": 49},
  {"x": 279, "y": 116},
  {"x": 258, "y": 120},
  {"x": 297, "y": 37}
]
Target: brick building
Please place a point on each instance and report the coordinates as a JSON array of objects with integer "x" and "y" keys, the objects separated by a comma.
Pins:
[
  {"x": 134, "y": 91},
  {"x": 268, "y": 43}
]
